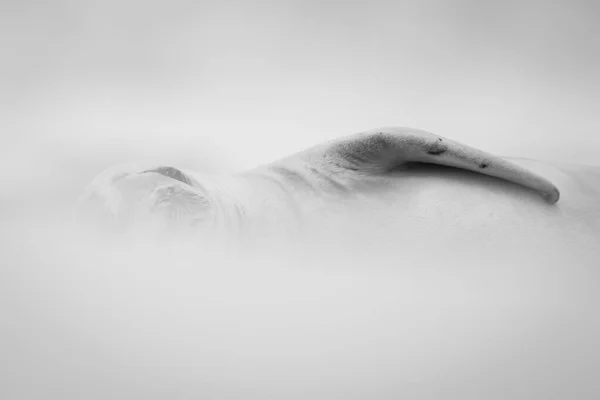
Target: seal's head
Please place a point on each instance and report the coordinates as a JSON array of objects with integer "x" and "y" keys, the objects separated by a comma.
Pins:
[
  {"x": 162, "y": 200},
  {"x": 176, "y": 207}
]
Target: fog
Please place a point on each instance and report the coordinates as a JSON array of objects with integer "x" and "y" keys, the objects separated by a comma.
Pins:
[{"x": 223, "y": 86}]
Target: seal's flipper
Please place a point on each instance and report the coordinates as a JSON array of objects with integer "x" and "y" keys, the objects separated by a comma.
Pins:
[{"x": 381, "y": 150}]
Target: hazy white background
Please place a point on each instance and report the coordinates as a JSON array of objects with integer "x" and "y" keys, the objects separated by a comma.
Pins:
[
  {"x": 248, "y": 81},
  {"x": 226, "y": 85}
]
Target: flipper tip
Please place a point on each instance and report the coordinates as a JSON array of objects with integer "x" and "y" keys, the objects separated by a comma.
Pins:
[{"x": 553, "y": 196}]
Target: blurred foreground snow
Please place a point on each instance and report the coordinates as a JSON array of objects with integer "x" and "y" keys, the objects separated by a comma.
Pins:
[{"x": 89, "y": 318}]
